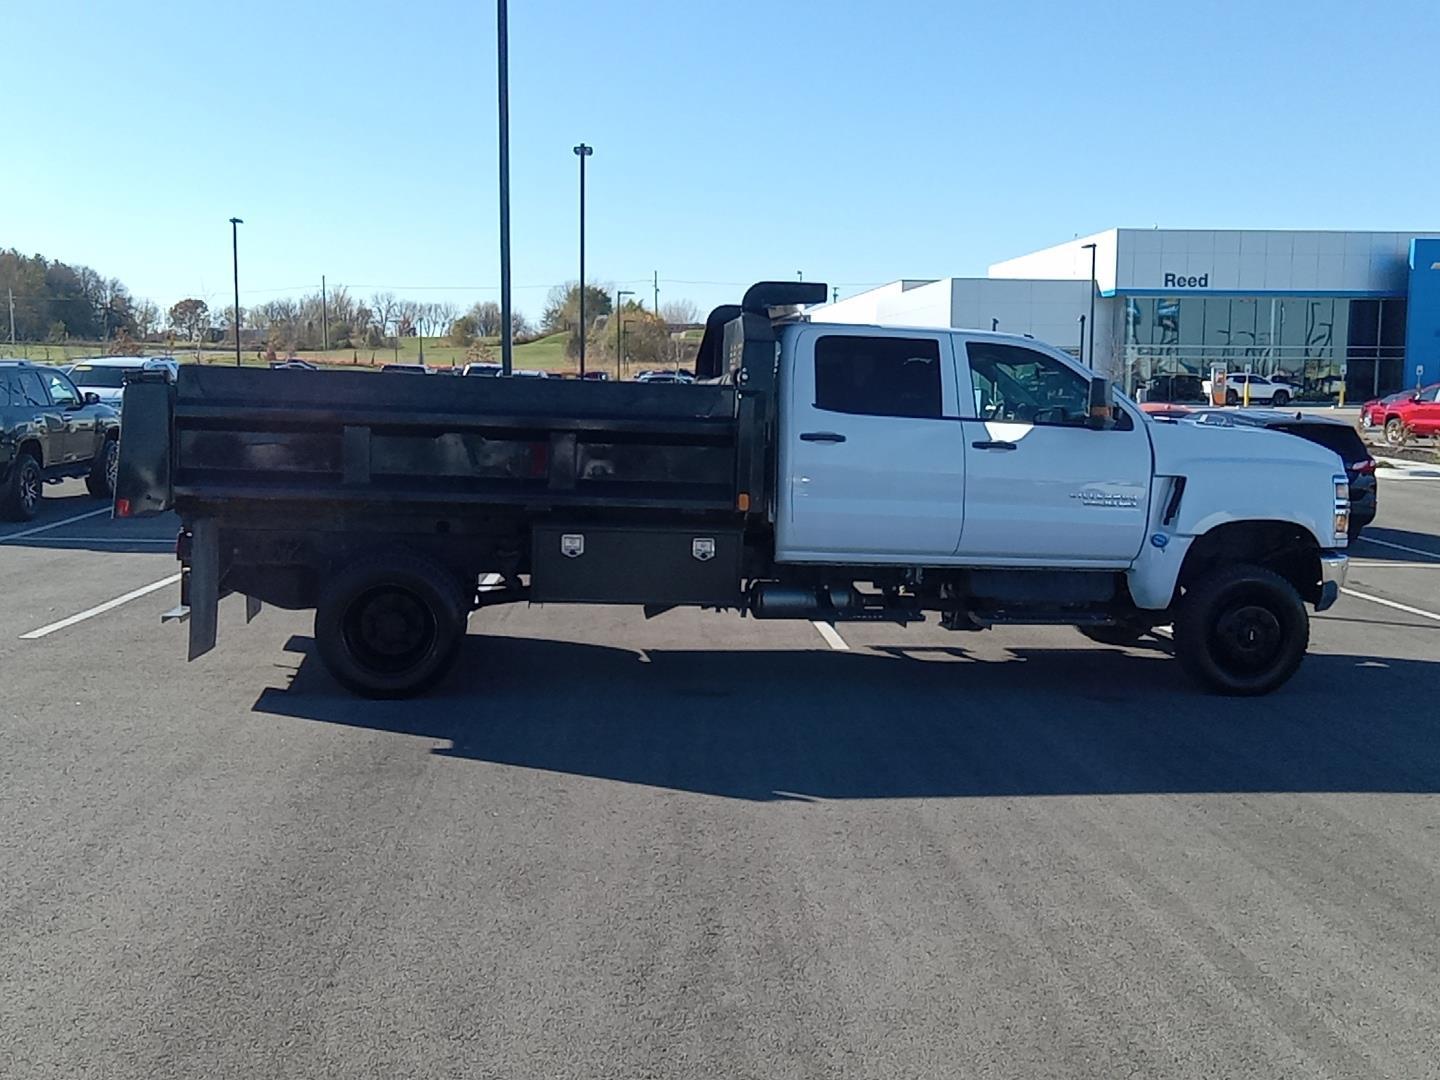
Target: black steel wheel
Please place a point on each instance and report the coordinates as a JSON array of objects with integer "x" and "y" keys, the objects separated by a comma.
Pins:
[
  {"x": 21, "y": 497},
  {"x": 390, "y": 626},
  {"x": 1241, "y": 630},
  {"x": 103, "y": 470}
]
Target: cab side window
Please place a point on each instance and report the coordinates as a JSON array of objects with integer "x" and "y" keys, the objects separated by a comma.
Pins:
[
  {"x": 878, "y": 376},
  {"x": 31, "y": 391},
  {"x": 1016, "y": 384},
  {"x": 61, "y": 392},
  {"x": 7, "y": 395}
]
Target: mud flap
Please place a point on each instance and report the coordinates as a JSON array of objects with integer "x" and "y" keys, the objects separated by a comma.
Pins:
[{"x": 204, "y": 582}]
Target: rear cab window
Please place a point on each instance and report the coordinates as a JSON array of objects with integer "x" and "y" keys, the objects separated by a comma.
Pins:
[{"x": 879, "y": 376}]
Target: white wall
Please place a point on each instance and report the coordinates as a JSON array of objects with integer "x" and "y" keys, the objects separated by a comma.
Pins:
[
  {"x": 1069, "y": 261},
  {"x": 1258, "y": 261}
]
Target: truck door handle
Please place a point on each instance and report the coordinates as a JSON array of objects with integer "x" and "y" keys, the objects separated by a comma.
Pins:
[
  {"x": 993, "y": 444},
  {"x": 821, "y": 436}
]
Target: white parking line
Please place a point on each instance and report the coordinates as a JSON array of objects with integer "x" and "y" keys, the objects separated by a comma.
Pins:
[
  {"x": 1399, "y": 547},
  {"x": 100, "y": 609},
  {"x": 53, "y": 525},
  {"x": 106, "y": 540},
  {"x": 1393, "y": 604},
  {"x": 831, "y": 635}
]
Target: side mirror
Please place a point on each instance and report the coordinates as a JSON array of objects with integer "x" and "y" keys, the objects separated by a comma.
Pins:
[
  {"x": 92, "y": 398},
  {"x": 1099, "y": 412}
]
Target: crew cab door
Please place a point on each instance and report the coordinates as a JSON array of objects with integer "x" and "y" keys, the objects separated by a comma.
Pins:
[
  {"x": 1043, "y": 487},
  {"x": 872, "y": 456},
  {"x": 78, "y": 440},
  {"x": 48, "y": 418},
  {"x": 1424, "y": 416}
]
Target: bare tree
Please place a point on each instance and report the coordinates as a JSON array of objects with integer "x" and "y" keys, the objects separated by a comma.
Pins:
[
  {"x": 384, "y": 309},
  {"x": 680, "y": 312},
  {"x": 487, "y": 318}
]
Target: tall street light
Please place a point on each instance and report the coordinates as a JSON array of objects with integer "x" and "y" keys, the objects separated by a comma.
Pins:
[
  {"x": 235, "y": 224},
  {"x": 620, "y": 330},
  {"x": 1094, "y": 285},
  {"x": 502, "y": 46},
  {"x": 582, "y": 152}
]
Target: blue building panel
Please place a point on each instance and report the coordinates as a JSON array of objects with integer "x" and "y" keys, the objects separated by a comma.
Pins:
[{"x": 1422, "y": 330}]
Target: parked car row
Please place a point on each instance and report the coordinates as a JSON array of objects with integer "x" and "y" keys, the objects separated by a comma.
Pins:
[{"x": 51, "y": 430}]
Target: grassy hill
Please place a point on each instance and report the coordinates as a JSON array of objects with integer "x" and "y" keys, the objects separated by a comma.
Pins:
[{"x": 545, "y": 354}]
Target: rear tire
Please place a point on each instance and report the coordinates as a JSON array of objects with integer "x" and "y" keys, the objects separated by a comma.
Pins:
[
  {"x": 1120, "y": 636},
  {"x": 1241, "y": 630},
  {"x": 1280, "y": 400},
  {"x": 21, "y": 497},
  {"x": 390, "y": 626},
  {"x": 1232, "y": 398},
  {"x": 101, "y": 481}
]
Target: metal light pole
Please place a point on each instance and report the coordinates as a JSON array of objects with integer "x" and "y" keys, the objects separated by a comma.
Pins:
[
  {"x": 1093, "y": 286},
  {"x": 502, "y": 45},
  {"x": 619, "y": 331},
  {"x": 235, "y": 224},
  {"x": 324, "y": 314},
  {"x": 582, "y": 152}
]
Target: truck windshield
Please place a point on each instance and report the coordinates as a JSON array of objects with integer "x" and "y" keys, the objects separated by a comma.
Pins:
[{"x": 108, "y": 378}]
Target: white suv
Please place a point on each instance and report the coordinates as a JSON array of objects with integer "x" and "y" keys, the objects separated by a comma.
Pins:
[
  {"x": 1263, "y": 391},
  {"x": 104, "y": 376}
]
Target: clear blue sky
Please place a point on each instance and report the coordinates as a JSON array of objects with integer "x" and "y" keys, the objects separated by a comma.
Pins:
[{"x": 858, "y": 142}]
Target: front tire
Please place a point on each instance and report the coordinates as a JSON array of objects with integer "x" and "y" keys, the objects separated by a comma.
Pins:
[
  {"x": 1241, "y": 630},
  {"x": 1395, "y": 431},
  {"x": 390, "y": 626},
  {"x": 21, "y": 498},
  {"x": 101, "y": 481}
]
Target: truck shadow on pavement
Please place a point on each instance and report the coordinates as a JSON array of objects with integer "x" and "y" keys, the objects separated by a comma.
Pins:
[{"x": 906, "y": 723}]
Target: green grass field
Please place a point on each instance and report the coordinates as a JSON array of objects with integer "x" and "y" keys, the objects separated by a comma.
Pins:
[{"x": 545, "y": 354}]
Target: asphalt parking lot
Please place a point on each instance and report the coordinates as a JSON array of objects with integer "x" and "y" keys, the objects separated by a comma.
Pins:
[{"x": 700, "y": 846}]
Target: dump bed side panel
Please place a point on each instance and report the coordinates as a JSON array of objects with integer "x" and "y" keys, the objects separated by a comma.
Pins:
[{"x": 347, "y": 437}]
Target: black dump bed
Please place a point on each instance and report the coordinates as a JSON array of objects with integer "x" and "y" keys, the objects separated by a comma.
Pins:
[{"x": 239, "y": 434}]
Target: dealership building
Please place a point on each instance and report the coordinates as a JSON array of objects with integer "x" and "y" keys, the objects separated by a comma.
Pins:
[{"x": 1322, "y": 309}]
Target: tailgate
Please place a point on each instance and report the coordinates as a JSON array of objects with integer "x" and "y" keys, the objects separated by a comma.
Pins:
[{"x": 143, "y": 482}]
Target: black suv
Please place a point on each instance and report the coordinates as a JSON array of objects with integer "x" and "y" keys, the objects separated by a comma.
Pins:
[
  {"x": 49, "y": 430},
  {"x": 1326, "y": 431}
]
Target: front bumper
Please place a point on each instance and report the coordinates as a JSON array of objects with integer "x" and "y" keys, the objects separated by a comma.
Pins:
[{"x": 1333, "y": 568}]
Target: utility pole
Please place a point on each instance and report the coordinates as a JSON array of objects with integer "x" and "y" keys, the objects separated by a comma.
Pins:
[
  {"x": 12, "y": 315},
  {"x": 1094, "y": 286},
  {"x": 235, "y": 224},
  {"x": 835, "y": 295},
  {"x": 502, "y": 43},
  {"x": 324, "y": 314},
  {"x": 620, "y": 331},
  {"x": 582, "y": 152},
  {"x": 657, "y": 293}
]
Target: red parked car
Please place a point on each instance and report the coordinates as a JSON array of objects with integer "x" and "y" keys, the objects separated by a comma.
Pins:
[
  {"x": 1419, "y": 411},
  {"x": 1372, "y": 413}
]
